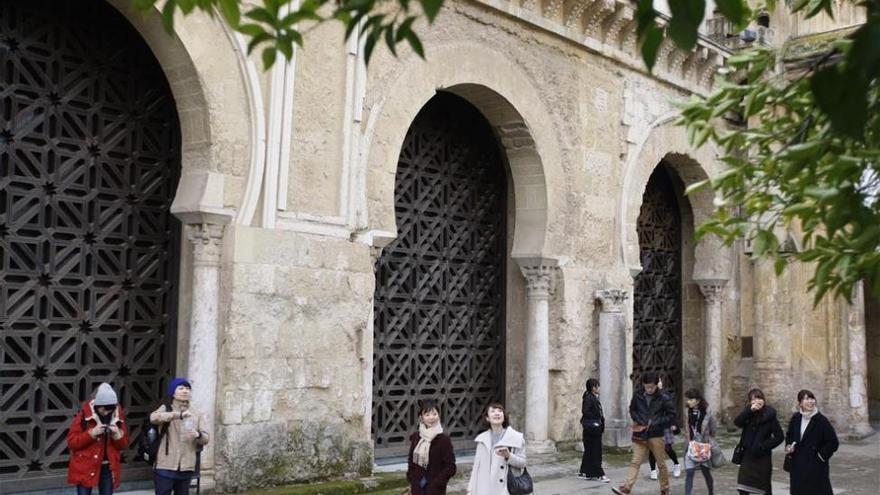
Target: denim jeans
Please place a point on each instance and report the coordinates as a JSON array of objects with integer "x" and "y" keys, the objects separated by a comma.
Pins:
[
  {"x": 105, "y": 483},
  {"x": 167, "y": 486}
]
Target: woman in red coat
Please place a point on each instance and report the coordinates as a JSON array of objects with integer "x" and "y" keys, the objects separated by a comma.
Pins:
[
  {"x": 431, "y": 458},
  {"x": 97, "y": 435}
]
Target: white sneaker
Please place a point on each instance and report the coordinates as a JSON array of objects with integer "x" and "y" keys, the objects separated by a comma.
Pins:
[
  {"x": 653, "y": 474},
  {"x": 676, "y": 470},
  {"x": 604, "y": 479}
]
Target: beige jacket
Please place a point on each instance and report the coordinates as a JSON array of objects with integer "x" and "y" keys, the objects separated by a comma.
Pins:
[{"x": 181, "y": 455}]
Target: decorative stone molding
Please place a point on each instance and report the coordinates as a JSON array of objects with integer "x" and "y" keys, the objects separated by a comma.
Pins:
[
  {"x": 609, "y": 27},
  {"x": 540, "y": 279},
  {"x": 612, "y": 300},
  {"x": 207, "y": 240},
  {"x": 712, "y": 290}
]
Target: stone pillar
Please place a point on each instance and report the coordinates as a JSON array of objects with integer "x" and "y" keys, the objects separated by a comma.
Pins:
[
  {"x": 713, "y": 291},
  {"x": 206, "y": 239},
  {"x": 858, "y": 364},
  {"x": 539, "y": 279},
  {"x": 612, "y": 365}
]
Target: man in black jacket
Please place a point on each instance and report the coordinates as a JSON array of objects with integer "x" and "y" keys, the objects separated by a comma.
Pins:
[{"x": 652, "y": 412}]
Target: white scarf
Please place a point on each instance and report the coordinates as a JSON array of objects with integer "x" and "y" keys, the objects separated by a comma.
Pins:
[
  {"x": 420, "y": 453},
  {"x": 805, "y": 420}
]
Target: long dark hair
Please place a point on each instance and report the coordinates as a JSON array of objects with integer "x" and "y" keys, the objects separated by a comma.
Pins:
[{"x": 695, "y": 394}]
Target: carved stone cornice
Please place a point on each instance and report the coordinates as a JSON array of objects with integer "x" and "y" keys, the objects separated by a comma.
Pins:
[
  {"x": 540, "y": 275},
  {"x": 207, "y": 240},
  {"x": 611, "y": 300},
  {"x": 713, "y": 290}
]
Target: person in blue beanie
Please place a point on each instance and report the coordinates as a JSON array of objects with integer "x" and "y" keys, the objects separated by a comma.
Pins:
[{"x": 185, "y": 433}]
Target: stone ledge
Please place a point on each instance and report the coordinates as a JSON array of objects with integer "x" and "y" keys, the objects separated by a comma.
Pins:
[{"x": 380, "y": 484}]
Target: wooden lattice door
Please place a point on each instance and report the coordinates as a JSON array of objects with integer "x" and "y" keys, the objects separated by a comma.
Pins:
[
  {"x": 439, "y": 302},
  {"x": 89, "y": 163},
  {"x": 657, "y": 299}
]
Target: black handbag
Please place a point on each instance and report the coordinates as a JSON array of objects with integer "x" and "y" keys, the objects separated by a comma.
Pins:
[
  {"x": 519, "y": 485},
  {"x": 786, "y": 464},
  {"x": 737, "y": 457},
  {"x": 737, "y": 454}
]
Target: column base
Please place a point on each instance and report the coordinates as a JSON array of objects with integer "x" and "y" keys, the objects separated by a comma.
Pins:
[
  {"x": 207, "y": 484},
  {"x": 860, "y": 431},
  {"x": 617, "y": 434},
  {"x": 540, "y": 447}
]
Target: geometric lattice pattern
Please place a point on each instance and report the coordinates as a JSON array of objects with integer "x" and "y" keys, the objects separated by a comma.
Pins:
[
  {"x": 439, "y": 302},
  {"x": 657, "y": 298},
  {"x": 89, "y": 163}
]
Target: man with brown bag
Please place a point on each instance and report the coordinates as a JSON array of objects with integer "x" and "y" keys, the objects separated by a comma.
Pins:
[{"x": 652, "y": 411}]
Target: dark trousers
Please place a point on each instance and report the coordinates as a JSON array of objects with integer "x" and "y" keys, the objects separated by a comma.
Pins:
[
  {"x": 105, "y": 483},
  {"x": 165, "y": 486},
  {"x": 689, "y": 480},
  {"x": 669, "y": 451},
  {"x": 591, "y": 463}
]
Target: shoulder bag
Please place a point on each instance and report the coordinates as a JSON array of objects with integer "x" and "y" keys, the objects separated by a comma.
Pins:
[{"x": 519, "y": 485}]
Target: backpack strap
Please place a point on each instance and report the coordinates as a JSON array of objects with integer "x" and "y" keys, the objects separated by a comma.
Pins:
[{"x": 165, "y": 430}]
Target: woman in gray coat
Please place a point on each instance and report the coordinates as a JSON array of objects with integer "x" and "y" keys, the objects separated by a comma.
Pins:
[{"x": 700, "y": 427}]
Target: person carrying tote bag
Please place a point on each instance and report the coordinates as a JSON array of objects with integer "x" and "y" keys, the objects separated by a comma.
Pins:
[
  {"x": 700, "y": 433},
  {"x": 500, "y": 456}
]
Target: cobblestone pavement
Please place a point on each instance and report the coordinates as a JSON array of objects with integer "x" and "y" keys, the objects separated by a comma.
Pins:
[{"x": 855, "y": 470}]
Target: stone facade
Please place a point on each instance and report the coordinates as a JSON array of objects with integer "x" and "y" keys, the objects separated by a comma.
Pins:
[{"x": 288, "y": 195}]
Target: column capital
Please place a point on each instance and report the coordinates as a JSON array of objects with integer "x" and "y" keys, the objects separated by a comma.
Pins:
[
  {"x": 540, "y": 274},
  {"x": 611, "y": 300},
  {"x": 712, "y": 289},
  {"x": 207, "y": 240}
]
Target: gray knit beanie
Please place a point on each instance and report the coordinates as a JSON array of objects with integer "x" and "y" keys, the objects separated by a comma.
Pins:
[{"x": 105, "y": 396}]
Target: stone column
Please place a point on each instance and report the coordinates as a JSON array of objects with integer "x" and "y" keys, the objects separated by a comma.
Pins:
[
  {"x": 612, "y": 365},
  {"x": 858, "y": 364},
  {"x": 539, "y": 279},
  {"x": 206, "y": 239},
  {"x": 713, "y": 291}
]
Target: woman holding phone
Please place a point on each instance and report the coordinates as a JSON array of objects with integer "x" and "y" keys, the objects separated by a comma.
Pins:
[
  {"x": 499, "y": 449},
  {"x": 96, "y": 437}
]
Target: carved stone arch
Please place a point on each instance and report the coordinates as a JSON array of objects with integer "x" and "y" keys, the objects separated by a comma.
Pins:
[
  {"x": 496, "y": 87},
  {"x": 219, "y": 103},
  {"x": 666, "y": 142}
]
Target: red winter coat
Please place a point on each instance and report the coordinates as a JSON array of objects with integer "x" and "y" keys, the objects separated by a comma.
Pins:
[{"x": 87, "y": 453}]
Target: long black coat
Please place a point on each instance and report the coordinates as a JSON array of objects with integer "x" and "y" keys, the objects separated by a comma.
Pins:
[
  {"x": 591, "y": 410},
  {"x": 761, "y": 434},
  {"x": 809, "y": 463},
  {"x": 441, "y": 466}
]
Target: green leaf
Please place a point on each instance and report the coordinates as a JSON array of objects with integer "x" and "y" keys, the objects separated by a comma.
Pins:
[
  {"x": 843, "y": 98},
  {"x": 251, "y": 30},
  {"x": 650, "y": 45},
  {"x": 415, "y": 44},
  {"x": 779, "y": 265},
  {"x": 389, "y": 39},
  {"x": 168, "y": 16},
  {"x": 268, "y": 57},
  {"x": 431, "y": 8},
  {"x": 257, "y": 40},
  {"x": 736, "y": 11},
  {"x": 231, "y": 12},
  {"x": 260, "y": 14},
  {"x": 684, "y": 23},
  {"x": 405, "y": 27},
  {"x": 645, "y": 16}
]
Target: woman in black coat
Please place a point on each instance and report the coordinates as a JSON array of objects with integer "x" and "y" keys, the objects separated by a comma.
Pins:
[
  {"x": 431, "y": 458},
  {"x": 810, "y": 441},
  {"x": 761, "y": 434},
  {"x": 593, "y": 422}
]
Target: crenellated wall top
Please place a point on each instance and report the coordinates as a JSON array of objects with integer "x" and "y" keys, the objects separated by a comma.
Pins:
[{"x": 608, "y": 27}]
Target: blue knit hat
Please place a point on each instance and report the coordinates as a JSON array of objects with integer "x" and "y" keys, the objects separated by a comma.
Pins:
[{"x": 176, "y": 382}]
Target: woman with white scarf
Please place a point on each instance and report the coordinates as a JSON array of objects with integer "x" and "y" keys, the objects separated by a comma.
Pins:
[
  {"x": 431, "y": 457},
  {"x": 810, "y": 442}
]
